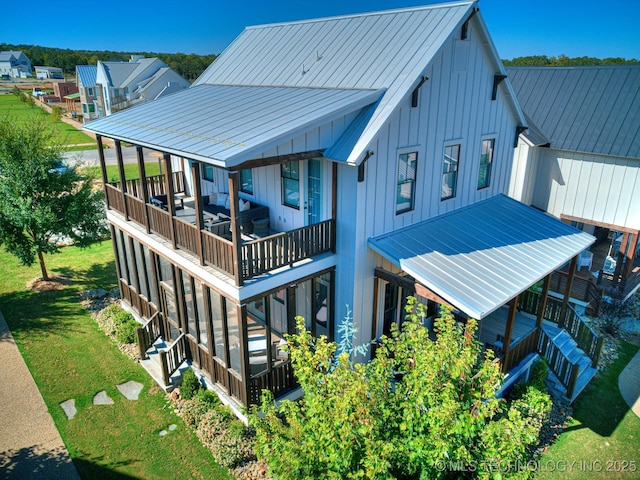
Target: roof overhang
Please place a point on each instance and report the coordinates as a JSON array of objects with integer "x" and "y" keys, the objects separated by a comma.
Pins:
[
  {"x": 228, "y": 125},
  {"x": 481, "y": 256}
]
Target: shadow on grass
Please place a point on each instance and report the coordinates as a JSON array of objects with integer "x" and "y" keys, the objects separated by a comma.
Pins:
[
  {"x": 36, "y": 463},
  {"x": 55, "y": 311},
  {"x": 600, "y": 407}
]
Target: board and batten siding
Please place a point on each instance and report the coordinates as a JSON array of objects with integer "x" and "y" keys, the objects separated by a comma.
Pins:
[
  {"x": 599, "y": 188},
  {"x": 524, "y": 172},
  {"x": 455, "y": 107}
]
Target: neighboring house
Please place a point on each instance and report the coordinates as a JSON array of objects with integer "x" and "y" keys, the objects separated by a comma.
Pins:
[
  {"x": 15, "y": 64},
  {"x": 62, "y": 89},
  {"x": 49, "y": 72},
  {"x": 86, "y": 82},
  {"x": 580, "y": 158},
  {"x": 366, "y": 161},
  {"x": 124, "y": 84}
]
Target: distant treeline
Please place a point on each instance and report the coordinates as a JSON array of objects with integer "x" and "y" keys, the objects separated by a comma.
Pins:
[
  {"x": 564, "y": 61},
  {"x": 190, "y": 66}
]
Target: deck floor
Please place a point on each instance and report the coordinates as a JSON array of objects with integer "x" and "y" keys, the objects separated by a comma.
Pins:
[{"x": 493, "y": 325}]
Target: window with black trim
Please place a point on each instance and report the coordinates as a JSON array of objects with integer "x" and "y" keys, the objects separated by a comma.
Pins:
[
  {"x": 207, "y": 172},
  {"x": 486, "y": 159},
  {"x": 246, "y": 181},
  {"x": 290, "y": 173},
  {"x": 450, "y": 171},
  {"x": 406, "y": 189}
]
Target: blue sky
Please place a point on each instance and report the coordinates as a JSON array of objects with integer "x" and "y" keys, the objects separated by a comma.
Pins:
[{"x": 596, "y": 28}]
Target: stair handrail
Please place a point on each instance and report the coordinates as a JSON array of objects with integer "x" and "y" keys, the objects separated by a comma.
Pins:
[
  {"x": 566, "y": 371},
  {"x": 586, "y": 338},
  {"x": 172, "y": 357}
]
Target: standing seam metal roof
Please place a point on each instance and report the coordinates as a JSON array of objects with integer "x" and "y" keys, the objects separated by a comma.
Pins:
[
  {"x": 481, "y": 256},
  {"x": 87, "y": 74},
  {"x": 582, "y": 109}
]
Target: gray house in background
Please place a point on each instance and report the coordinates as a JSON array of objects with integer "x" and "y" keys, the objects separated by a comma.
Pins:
[
  {"x": 124, "y": 84},
  {"x": 580, "y": 158},
  {"x": 15, "y": 64},
  {"x": 86, "y": 82}
]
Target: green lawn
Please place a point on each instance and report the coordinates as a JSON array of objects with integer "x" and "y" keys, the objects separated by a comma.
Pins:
[
  {"x": 130, "y": 171},
  {"x": 11, "y": 106},
  {"x": 603, "y": 440},
  {"x": 69, "y": 357}
]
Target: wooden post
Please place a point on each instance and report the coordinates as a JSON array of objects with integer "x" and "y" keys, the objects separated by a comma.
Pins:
[
  {"x": 143, "y": 186},
  {"x": 513, "y": 308},
  {"x": 542, "y": 304},
  {"x": 123, "y": 179},
  {"x": 103, "y": 169},
  {"x": 165, "y": 368},
  {"x": 143, "y": 342},
  {"x": 567, "y": 292},
  {"x": 244, "y": 357},
  {"x": 620, "y": 259},
  {"x": 168, "y": 179},
  {"x": 631, "y": 254},
  {"x": 235, "y": 229},
  {"x": 197, "y": 200}
]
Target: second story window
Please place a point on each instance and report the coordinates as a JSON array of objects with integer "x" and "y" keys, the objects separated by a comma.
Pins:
[
  {"x": 290, "y": 174},
  {"x": 246, "y": 181},
  {"x": 406, "y": 190},
  {"x": 486, "y": 158},
  {"x": 450, "y": 171},
  {"x": 207, "y": 172}
]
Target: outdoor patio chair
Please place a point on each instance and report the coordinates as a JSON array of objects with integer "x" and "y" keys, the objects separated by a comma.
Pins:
[{"x": 585, "y": 259}]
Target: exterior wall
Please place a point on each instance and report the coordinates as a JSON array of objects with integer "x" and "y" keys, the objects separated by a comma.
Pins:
[
  {"x": 455, "y": 107},
  {"x": 598, "y": 188},
  {"x": 49, "y": 72},
  {"x": 524, "y": 172}
]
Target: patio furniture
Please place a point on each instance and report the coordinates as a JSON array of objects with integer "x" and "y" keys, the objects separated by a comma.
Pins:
[
  {"x": 260, "y": 226},
  {"x": 244, "y": 217},
  {"x": 160, "y": 201},
  {"x": 585, "y": 259}
]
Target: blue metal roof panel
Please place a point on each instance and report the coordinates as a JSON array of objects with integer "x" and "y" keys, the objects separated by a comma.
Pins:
[
  {"x": 583, "y": 109},
  {"x": 87, "y": 74},
  {"x": 226, "y": 125},
  {"x": 481, "y": 256}
]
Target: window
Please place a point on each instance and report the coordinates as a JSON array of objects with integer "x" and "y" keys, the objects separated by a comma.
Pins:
[
  {"x": 189, "y": 303},
  {"x": 290, "y": 184},
  {"x": 246, "y": 181},
  {"x": 90, "y": 92},
  {"x": 486, "y": 157},
  {"x": 405, "y": 194},
  {"x": 450, "y": 171},
  {"x": 207, "y": 172}
]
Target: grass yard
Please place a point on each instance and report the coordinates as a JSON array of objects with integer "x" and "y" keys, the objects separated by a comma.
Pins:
[
  {"x": 604, "y": 438},
  {"x": 130, "y": 171},
  {"x": 69, "y": 357},
  {"x": 11, "y": 106}
]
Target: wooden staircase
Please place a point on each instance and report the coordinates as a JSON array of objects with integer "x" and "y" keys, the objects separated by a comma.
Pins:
[
  {"x": 566, "y": 360},
  {"x": 153, "y": 364}
]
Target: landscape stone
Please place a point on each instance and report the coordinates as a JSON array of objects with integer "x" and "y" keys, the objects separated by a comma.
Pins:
[
  {"x": 102, "y": 398},
  {"x": 130, "y": 389},
  {"x": 172, "y": 427},
  {"x": 69, "y": 407},
  {"x": 162, "y": 433}
]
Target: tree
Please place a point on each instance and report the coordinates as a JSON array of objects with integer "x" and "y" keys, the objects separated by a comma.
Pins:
[
  {"x": 39, "y": 200},
  {"x": 421, "y": 408}
]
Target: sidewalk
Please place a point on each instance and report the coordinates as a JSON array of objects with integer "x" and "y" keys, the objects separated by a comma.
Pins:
[
  {"x": 30, "y": 445},
  {"x": 629, "y": 384}
]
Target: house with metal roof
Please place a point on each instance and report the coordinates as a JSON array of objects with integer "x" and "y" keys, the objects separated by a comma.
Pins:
[
  {"x": 86, "y": 82},
  {"x": 124, "y": 84},
  {"x": 15, "y": 64},
  {"x": 332, "y": 167},
  {"x": 43, "y": 72},
  {"x": 580, "y": 161}
]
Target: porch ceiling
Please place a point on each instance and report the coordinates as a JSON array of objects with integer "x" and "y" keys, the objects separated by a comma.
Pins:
[
  {"x": 481, "y": 256},
  {"x": 227, "y": 125}
]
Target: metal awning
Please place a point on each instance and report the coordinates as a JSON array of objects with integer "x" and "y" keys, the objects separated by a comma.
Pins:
[
  {"x": 481, "y": 256},
  {"x": 226, "y": 125}
]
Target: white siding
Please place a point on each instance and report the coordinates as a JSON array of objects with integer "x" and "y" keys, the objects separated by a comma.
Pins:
[
  {"x": 598, "y": 188},
  {"x": 523, "y": 174}
]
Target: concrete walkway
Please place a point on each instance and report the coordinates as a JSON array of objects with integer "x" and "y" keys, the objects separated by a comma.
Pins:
[
  {"x": 629, "y": 383},
  {"x": 30, "y": 445}
]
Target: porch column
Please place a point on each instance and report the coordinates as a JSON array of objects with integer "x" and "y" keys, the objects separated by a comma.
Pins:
[
  {"x": 508, "y": 330},
  {"x": 244, "y": 357},
  {"x": 334, "y": 203},
  {"x": 567, "y": 292},
  {"x": 144, "y": 187},
  {"x": 103, "y": 169},
  {"x": 123, "y": 180},
  {"x": 235, "y": 228},
  {"x": 631, "y": 254},
  {"x": 168, "y": 179},
  {"x": 542, "y": 305},
  {"x": 620, "y": 258},
  {"x": 197, "y": 200}
]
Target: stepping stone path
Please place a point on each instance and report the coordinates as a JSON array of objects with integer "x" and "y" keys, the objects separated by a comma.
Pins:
[
  {"x": 171, "y": 428},
  {"x": 69, "y": 407},
  {"x": 102, "y": 398},
  {"x": 131, "y": 390}
]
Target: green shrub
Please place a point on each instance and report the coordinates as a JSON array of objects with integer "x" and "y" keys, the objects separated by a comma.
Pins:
[
  {"x": 190, "y": 384},
  {"x": 126, "y": 332},
  {"x": 230, "y": 441},
  {"x": 194, "y": 409},
  {"x": 122, "y": 317},
  {"x": 209, "y": 397}
]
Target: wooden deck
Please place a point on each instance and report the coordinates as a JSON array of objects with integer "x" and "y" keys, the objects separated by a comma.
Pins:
[{"x": 494, "y": 325}]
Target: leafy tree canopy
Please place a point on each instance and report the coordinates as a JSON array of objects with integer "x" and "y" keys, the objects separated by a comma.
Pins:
[
  {"x": 421, "y": 408},
  {"x": 40, "y": 199},
  {"x": 190, "y": 66},
  {"x": 565, "y": 61}
]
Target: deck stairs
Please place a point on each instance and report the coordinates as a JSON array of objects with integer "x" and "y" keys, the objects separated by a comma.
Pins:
[
  {"x": 570, "y": 350},
  {"x": 152, "y": 365}
]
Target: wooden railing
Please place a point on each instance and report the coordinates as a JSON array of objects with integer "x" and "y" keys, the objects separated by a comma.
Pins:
[
  {"x": 155, "y": 185},
  {"x": 136, "y": 208},
  {"x": 282, "y": 249},
  {"x": 279, "y": 380},
  {"x": 519, "y": 349},
  {"x": 114, "y": 198},
  {"x": 218, "y": 252},
  {"x": 172, "y": 358},
  {"x": 560, "y": 365},
  {"x": 149, "y": 333},
  {"x": 159, "y": 221},
  {"x": 186, "y": 236}
]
